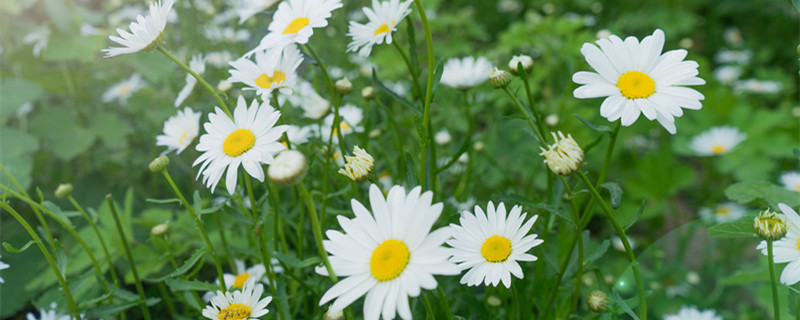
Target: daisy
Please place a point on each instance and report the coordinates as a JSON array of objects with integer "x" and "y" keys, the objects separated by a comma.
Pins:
[
  {"x": 298, "y": 135},
  {"x": 49, "y": 314},
  {"x": 490, "y": 244},
  {"x": 727, "y": 211},
  {"x": 146, "y": 31},
  {"x": 198, "y": 65},
  {"x": 314, "y": 106},
  {"x": 295, "y": 20},
  {"x": 243, "y": 273},
  {"x": 637, "y": 78},
  {"x": 717, "y": 141},
  {"x": 3, "y": 266},
  {"x": 383, "y": 19},
  {"x": 388, "y": 254},
  {"x": 350, "y": 118},
  {"x": 727, "y": 74},
  {"x": 239, "y": 305},
  {"x": 757, "y": 86},
  {"x": 787, "y": 249},
  {"x": 124, "y": 89},
  {"x": 39, "y": 39},
  {"x": 791, "y": 180},
  {"x": 466, "y": 73},
  {"x": 249, "y": 140},
  {"x": 219, "y": 59},
  {"x": 248, "y": 8},
  {"x": 274, "y": 69},
  {"x": 692, "y": 313},
  {"x": 179, "y": 131}
]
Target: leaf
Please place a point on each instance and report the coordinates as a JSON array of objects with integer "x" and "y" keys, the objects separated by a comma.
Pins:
[
  {"x": 621, "y": 303},
  {"x": 11, "y": 248},
  {"x": 615, "y": 191},
  {"x": 437, "y": 74},
  {"x": 411, "y": 171},
  {"x": 636, "y": 217},
  {"x": 597, "y": 254},
  {"x": 163, "y": 201},
  {"x": 52, "y": 207},
  {"x": 742, "y": 227},
  {"x": 598, "y": 128},
  {"x": 187, "y": 265},
  {"x": 743, "y": 277},
  {"x": 394, "y": 95},
  {"x": 116, "y": 308},
  {"x": 184, "y": 285},
  {"x": 60, "y": 133},
  {"x": 110, "y": 129},
  {"x": 15, "y": 93},
  {"x": 296, "y": 263},
  {"x": 749, "y": 191},
  {"x": 90, "y": 302}
]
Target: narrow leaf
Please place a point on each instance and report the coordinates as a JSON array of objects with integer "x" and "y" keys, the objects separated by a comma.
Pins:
[
  {"x": 621, "y": 303},
  {"x": 11, "y": 248},
  {"x": 187, "y": 265},
  {"x": 394, "y": 95},
  {"x": 163, "y": 201},
  {"x": 636, "y": 217},
  {"x": 615, "y": 191},
  {"x": 598, "y": 128},
  {"x": 183, "y": 285}
]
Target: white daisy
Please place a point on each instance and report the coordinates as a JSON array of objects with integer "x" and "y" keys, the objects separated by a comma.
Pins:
[
  {"x": 239, "y": 305},
  {"x": 146, "y": 31},
  {"x": 466, "y": 73},
  {"x": 442, "y": 137},
  {"x": 219, "y": 59},
  {"x": 314, "y": 106},
  {"x": 717, "y": 141},
  {"x": 294, "y": 22},
  {"x": 298, "y": 135},
  {"x": 3, "y": 266},
  {"x": 727, "y": 74},
  {"x": 723, "y": 212},
  {"x": 124, "y": 89},
  {"x": 51, "y": 314},
  {"x": 692, "y": 313},
  {"x": 248, "y": 8},
  {"x": 791, "y": 180},
  {"x": 637, "y": 78},
  {"x": 250, "y": 139},
  {"x": 198, "y": 65},
  {"x": 757, "y": 86},
  {"x": 388, "y": 254},
  {"x": 39, "y": 39},
  {"x": 274, "y": 69},
  {"x": 243, "y": 273},
  {"x": 383, "y": 19},
  {"x": 490, "y": 244},
  {"x": 180, "y": 131},
  {"x": 733, "y": 56},
  {"x": 350, "y": 120},
  {"x": 787, "y": 249}
]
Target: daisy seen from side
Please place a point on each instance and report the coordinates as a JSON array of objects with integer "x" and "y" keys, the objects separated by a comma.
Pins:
[
  {"x": 123, "y": 90},
  {"x": 787, "y": 249},
  {"x": 466, "y": 73},
  {"x": 383, "y": 19},
  {"x": 717, "y": 141},
  {"x": 791, "y": 180},
  {"x": 180, "y": 131},
  {"x": 636, "y": 78},
  {"x": 245, "y": 304},
  {"x": 723, "y": 212},
  {"x": 145, "y": 32},
  {"x": 273, "y": 69}
]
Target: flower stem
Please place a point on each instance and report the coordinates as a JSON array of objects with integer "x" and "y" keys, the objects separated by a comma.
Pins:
[
  {"x": 527, "y": 116},
  {"x": 258, "y": 232},
  {"x": 99, "y": 236},
  {"x": 426, "y": 115},
  {"x": 524, "y": 75},
  {"x": 445, "y": 305},
  {"x": 124, "y": 238},
  {"x": 429, "y": 315},
  {"x": 51, "y": 240},
  {"x": 199, "y": 79},
  {"x": 337, "y": 100},
  {"x": 773, "y": 282},
  {"x": 411, "y": 69},
  {"x": 312, "y": 212}
]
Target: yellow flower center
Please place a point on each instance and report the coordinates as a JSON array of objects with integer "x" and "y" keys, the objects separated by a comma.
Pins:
[
  {"x": 183, "y": 136},
  {"x": 636, "y": 85},
  {"x": 718, "y": 150},
  {"x": 240, "y": 280},
  {"x": 236, "y": 311},
  {"x": 296, "y": 25},
  {"x": 265, "y": 81},
  {"x": 124, "y": 89},
  {"x": 343, "y": 125},
  {"x": 496, "y": 249},
  {"x": 389, "y": 260},
  {"x": 382, "y": 29},
  {"x": 238, "y": 142},
  {"x": 797, "y": 187},
  {"x": 723, "y": 211}
]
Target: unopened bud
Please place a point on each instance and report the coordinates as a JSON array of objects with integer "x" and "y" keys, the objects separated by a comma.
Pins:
[
  {"x": 159, "y": 164},
  {"x": 159, "y": 229},
  {"x": 224, "y": 85},
  {"x": 493, "y": 301},
  {"x": 525, "y": 60},
  {"x": 288, "y": 168},
  {"x": 478, "y": 146},
  {"x": 564, "y": 157},
  {"x": 769, "y": 226},
  {"x": 343, "y": 86},
  {"x": 63, "y": 190},
  {"x": 368, "y": 93},
  {"x": 597, "y": 301},
  {"x": 499, "y": 78},
  {"x": 358, "y": 166}
]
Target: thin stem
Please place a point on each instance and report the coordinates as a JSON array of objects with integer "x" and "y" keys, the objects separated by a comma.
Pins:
[
  {"x": 258, "y": 233},
  {"x": 312, "y": 212},
  {"x": 773, "y": 281},
  {"x": 99, "y": 237},
  {"x": 531, "y": 103},
  {"x": 426, "y": 115},
  {"x": 446, "y": 305},
  {"x": 337, "y": 100},
  {"x": 621, "y": 233},
  {"x": 128, "y": 254},
  {"x": 199, "y": 79},
  {"x": 51, "y": 240},
  {"x": 576, "y": 218},
  {"x": 429, "y": 315},
  {"x": 527, "y": 116},
  {"x": 73, "y": 308},
  {"x": 411, "y": 69}
]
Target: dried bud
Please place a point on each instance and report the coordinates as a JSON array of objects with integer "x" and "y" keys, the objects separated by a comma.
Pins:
[
  {"x": 63, "y": 190},
  {"x": 359, "y": 166},
  {"x": 288, "y": 168},
  {"x": 368, "y": 93},
  {"x": 159, "y": 164},
  {"x": 564, "y": 157},
  {"x": 770, "y": 226},
  {"x": 499, "y": 78},
  {"x": 526, "y": 60},
  {"x": 159, "y": 229},
  {"x": 597, "y": 301},
  {"x": 343, "y": 86}
]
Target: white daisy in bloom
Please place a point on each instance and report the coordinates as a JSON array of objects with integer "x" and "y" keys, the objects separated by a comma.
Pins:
[
  {"x": 51, "y": 314},
  {"x": 180, "y": 130},
  {"x": 314, "y": 106},
  {"x": 637, "y": 78},
  {"x": 727, "y": 74},
  {"x": 243, "y": 273},
  {"x": 465, "y": 73},
  {"x": 249, "y": 140},
  {"x": 692, "y": 313},
  {"x": 274, "y": 69},
  {"x": 239, "y": 305},
  {"x": 791, "y": 180},
  {"x": 298, "y": 135},
  {"x": 3, "y": 266},
  {"x": 145, "y": 31},
  {"x": 124, "y": 89},
  {"x": 198, "y": 65},
  {"x": 295, "y": 20},
  {"x": 787, "y": 249},
  {"x": 349, "y": 122},
  {"x": 490, "y": 244},
  {"x": 383, "y": 19},
  {"x": 717, "y": 141},
  {"x": 388, "y": 254},
  {"x": 757, "y": 86},
  {"x": 248, "y": 8},
  {"x": 723, "y": 212}
]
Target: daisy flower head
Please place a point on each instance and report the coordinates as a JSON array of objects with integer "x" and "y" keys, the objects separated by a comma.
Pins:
[
  {"x": 249, "y": 139},
  {"x": 239, "y": 305},
  {"x": 351, "y": 117},
  {"x": 198, "y": 65},
  {"x": 787, "y": 248},
  {"x": 294, "y": 22},
  {"x": 636, "y": 78},
  {"x": 123, "y": 90},
  {"x": 274, "y": 69},
  {"x": 717, "y": 141},
  {"x": 51, "y": 314},
  {"x": 388, "y": 253},
  {"x": 692, "y": 313},
  {"x": 791, "y": 180},
  {"x": 723, "y": 212},
  {"x": 490, "y": 243},
  {"x": 305, "y": 97},
  {"x": 179, "y": 131},
  {"x": 466, "y": 73},
  {"x": 145, "y": 33},
  {"x": 383, "y": 18}
]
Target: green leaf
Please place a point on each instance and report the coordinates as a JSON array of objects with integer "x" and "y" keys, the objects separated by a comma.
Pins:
[
  {"x": 110, "y": 129},
  {"x": 184, "y": 285},
  {"x": 90, "y": 302},
  {"x": 636, "y": 217},
  {"x": 187, "y": 265},
  {"x": 60, "y": 133},
  {"x": 116, "y": 308},
  {"x": 742, "y": 227},
  {"x": 163, "y": 201},
  {"x": 621, "y": 303},
  {"x": 411, "y": 171},
  {"x": 52, "y": 207},
  {"x": 743, "y": 277},
  {"x": 394, "y": 95},
  {"x": 598, "y": 128},
  {"x": 11, "y": 248},
  {"x": 615, "y": 191},
  {"x": 437, "y": 74},
  {"x": 296, "y": 263},
  {"x": 749, "y": 191},
  {"x": 597, "y": 254},
  {"x": 15, "y": 93}
]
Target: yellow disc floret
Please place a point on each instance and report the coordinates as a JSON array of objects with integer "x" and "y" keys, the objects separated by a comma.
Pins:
[
  {"x": 296, "y": 25},
  {"x": 384, "y": 28},
  {"x": 389, "y": 260},
  {"x": 236, "y": 311},
  {"x": 718, "y": 150},
  {"x": 265, "y": 81},
  {"x": 496, "y": 249},
  {"x": 238, "y": 142},
  {"x": 240, "y": 280},
  {"x": 636, "y": 85}
]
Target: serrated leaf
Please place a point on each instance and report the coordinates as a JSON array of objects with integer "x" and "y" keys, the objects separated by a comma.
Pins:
[
  {"x": 615, "y": 191},
  {"x": 296, "y": 263},
  {"x": 749, "y": 191},
  {"x": 195, "y": 285},
  {"x": 742, "y": 227},
  {"x": 11, "y": 248},
  {"x": 598, "y": 128}
]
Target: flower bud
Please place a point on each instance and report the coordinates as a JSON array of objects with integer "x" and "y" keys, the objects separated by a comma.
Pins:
[
  {"x": 493, "y": 301},
  {"x": 288, "y": 168},
  {"x": 499, "y": 78},
  {"x": 63, "y": 190},
  {"x": 338, "y": 315},
  {"x": 159, "y": 229},
  {"x": 478, "y": 146},
  {"x": 224, "y": 85},
  {"x": 526, "y": 60},
  {"x": 597, "y": 301},
  {"x": 159, "y": 164},
  {"x": 368, "y": 93},
  {"x": 770, "y": 226},
  {"x": 564, "y": 157},
  {"x": 343, "y": 86},
  {"x": 359, "y": 166}
]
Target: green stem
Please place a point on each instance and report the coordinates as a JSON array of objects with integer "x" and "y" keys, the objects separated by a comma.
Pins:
[
  {"x": 527, "y": 116},
  {"x": 429, "y": 315},
  {"x": 773, "y": 281},
  {"x": 258, "y": 232},
  {"x": 99, "y": 236},
  {"x": 42, "y": 222},
  {"x": 199, "y": 79},
  {"x": 628, "y": 250},
  {"x": 73, "y": 308},
  {"x": 411, "y": 69},
  {"x": 312, "y": 212},
  {"x": 446, "y": 305},
  {"x": 426, "y": 115},
  {"x": 337, "y": 100},
  {"x": 124, "y": 238},
  {"x": 576, "y": 218},
  {"x": 531, "y": 103}
]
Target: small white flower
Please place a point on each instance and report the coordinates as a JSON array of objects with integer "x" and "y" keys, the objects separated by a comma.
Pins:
[
  {"x": 3, "y": 266},
  {"x": 787, "y": 249},
  {"x": 255, "y": 272},
  {"x": 295, "y": 20},
  {"x": 274, "y": 69},
  {"x": 733, "y": 56},
  {"x": 563, "y": 157},
  {"x": 791, "y": 180},
  {"x": 239, "y": 305},
  {"x": 298, "y": 135},
  {"x": 305, "y": 97},
  {"x": 38, "y": 38},
  {"x": 350, "y": 120},
  {"x": 124, "y": 89},
  {"x": 442, "y": 137},
  {"x": 757, "y": 86},
  {"x": 51, "y": 314},
  {"x": 219, "y": 59},
  {"x": 198, "y": 65},
  {"x": 145, "y": 31},
  {"x": 616, "y": 242},
  {"x": 180, "y": 131},
  {"x": 526, "y": 60},
  {"x": 733, "y": 36},
  {"x": 717, "y": 141},
  {"x": 288, "y": 168},
  {"x": 692, "y": 313},
  {"x": 723, "y": 212},
  {"x": 727, "y": 74},
  {"x": 466, "y": 73},
  {"x": 383, "y": 19}
]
